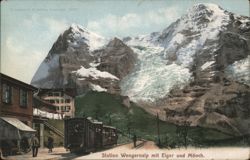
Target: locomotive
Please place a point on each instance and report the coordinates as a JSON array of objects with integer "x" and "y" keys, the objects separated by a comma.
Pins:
[{"x": 87, "y": 135}]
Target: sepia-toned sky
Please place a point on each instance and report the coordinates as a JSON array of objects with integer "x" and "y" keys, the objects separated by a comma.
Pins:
[{"x": 30, "y": 27}]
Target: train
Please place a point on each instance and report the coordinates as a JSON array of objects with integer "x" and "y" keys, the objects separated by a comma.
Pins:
[{"x": 86, "y": 135}]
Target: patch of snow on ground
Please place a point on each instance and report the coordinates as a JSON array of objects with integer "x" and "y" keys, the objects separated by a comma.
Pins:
[
  {"x": 92, "y": 64},
  {"x": 97, "y": 88},
  {"x": 240, "y": 71},
  {"x": 93, "y": 73},
  {"x": 206, "y": 65}
]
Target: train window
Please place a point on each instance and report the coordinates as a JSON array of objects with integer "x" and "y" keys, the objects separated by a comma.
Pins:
[{"x": 98, "y": 129}]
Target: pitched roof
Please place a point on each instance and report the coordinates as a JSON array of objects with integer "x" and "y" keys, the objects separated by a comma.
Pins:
[
  {"x": 18, "y": 124},
  {"x": 16, "y": 82}
]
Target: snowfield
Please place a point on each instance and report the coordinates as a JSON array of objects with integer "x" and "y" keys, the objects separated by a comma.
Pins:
[
  {"x": 94, "y": 73},
  {"x": 240, "y": 71}
]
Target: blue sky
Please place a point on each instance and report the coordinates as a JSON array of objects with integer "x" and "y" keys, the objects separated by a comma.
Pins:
[{"x": 30, "y": 27}]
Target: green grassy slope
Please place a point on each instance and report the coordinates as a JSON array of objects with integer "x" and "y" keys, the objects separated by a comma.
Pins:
[{"x": 134, "y": 120}]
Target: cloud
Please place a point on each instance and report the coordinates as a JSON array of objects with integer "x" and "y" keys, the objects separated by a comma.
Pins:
[
  {"x": 23, "y": 54},
  {"x": 116, "y": 23},
  {"x": 31, "y": 22},
  {"x": 21, "y": 61},
  {"x": 126, "y": 24},
  {"x": 56, "y": 26},
  {"x": 163, "y": 15}
]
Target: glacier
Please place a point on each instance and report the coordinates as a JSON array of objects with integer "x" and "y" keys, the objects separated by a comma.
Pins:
[
  {"x": 165, "y": 63},
  {"x": 152, "y": 78}
]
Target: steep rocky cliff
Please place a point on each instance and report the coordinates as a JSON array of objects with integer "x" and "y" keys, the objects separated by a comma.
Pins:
[{"x": 78, "y": 50}]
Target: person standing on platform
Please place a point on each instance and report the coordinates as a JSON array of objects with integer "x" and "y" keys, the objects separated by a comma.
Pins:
[
  {"x": 50, "y": 144},
  {"x": 134, "y": 140},
  {"x": 35, "y": 145}
]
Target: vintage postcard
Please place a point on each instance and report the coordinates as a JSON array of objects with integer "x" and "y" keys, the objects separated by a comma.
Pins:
[{"x": 125, "y": 79}]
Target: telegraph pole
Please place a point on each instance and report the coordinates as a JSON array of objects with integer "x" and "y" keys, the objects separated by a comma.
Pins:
[{"x": 158, "y": 129}]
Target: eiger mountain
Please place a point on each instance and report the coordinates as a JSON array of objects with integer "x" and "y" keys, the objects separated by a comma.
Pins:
[
  {"x": 195, "y": 72},
  {"x": 84, "y": 59}
]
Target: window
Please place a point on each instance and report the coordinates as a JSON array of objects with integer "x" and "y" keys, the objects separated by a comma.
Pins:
[
  {"x": 63, "y": 108},
  {"x": 6, "y": 93},
  {"x": 56, "y": 94},
  {"x": 52, "y": 101},
  {"x": 67, "y": 108},
  {"x": 23, "y": 98},
  {"x": 67, "y": 101}
]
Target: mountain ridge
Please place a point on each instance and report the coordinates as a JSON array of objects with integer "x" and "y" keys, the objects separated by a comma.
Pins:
[{"x": 177, "y": 72}]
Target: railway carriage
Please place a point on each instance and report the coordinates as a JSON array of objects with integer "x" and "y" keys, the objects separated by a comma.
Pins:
[{"x": 87, "y": 135}]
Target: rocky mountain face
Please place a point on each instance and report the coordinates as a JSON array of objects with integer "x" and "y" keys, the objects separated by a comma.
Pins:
[
  {"x": 78, "y": 50},
  {"x": 196, "y": 71},
  {"x": 215, "y": 98},
  {"x": 116, "y": 58},
  {"x": 208, "y": 51}
]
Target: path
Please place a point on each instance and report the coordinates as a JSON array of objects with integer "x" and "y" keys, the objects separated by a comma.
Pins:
[{"x": 58, "y": 153}]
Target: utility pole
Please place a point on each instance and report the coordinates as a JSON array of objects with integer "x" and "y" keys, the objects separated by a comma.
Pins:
[{"x": 158, "y": 129}]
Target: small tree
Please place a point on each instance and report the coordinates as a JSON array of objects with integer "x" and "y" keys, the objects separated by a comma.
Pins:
[
  {"x": 182, "y": 133},
  {"x": 108, "y": 118},
  {"x": 97, "y": 111}
]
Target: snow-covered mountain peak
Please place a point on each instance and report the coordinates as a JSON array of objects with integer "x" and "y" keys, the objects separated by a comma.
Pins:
[
  {"x": 192, "y": 31},
  {"x": 77, "y": 27},
  {"x": 202, "y": 14},
  {"x": 79, "y": 34},
  {"x": 175, "y": 47},
  {"x": 205, "y": 9}
]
